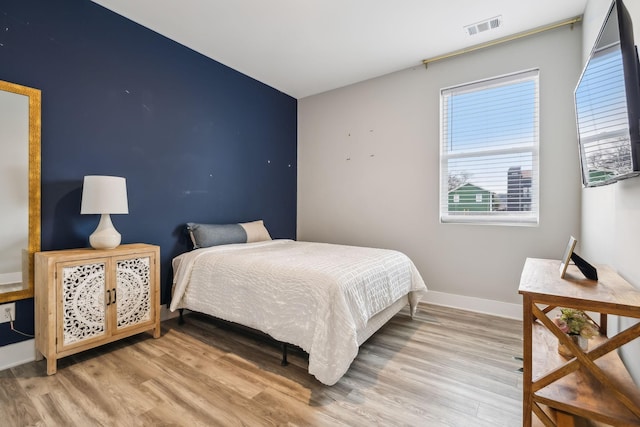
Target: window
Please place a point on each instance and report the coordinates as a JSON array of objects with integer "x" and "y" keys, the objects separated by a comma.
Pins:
[{"x": 489, "y": 151}]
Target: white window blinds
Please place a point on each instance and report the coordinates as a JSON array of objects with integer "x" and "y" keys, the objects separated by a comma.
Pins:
[{"x": 489, "y": 151}]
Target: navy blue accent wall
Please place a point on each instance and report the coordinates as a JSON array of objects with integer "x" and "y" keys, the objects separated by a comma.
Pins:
[{"x": 196, "y": 140}]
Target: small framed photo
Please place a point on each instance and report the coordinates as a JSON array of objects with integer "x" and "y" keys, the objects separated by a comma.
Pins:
[{"x": 567, "y": 255}]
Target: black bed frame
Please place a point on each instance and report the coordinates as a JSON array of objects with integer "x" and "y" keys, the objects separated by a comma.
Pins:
[{"x": 285, "y": 346}]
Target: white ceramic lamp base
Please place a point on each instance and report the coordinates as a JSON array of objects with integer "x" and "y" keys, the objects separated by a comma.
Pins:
[{"x": 105, "y": 236}]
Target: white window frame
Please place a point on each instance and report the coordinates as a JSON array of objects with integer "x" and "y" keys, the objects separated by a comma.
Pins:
[{"x": 527, "y": 218}]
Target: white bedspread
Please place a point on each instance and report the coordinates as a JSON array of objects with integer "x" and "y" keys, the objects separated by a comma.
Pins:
[{"x": 314, "y": 295}]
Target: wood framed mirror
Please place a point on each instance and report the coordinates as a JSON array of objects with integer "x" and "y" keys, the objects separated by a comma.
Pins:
[{"x": 20, "y": 120}]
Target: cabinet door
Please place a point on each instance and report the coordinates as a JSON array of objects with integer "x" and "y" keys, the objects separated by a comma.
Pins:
[
  {"x": 82, "y": 302},
  {"x": 134, "y": 290}
]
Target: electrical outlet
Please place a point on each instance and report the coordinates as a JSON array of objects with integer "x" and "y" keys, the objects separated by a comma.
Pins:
[{"x": 7, "y": 312}]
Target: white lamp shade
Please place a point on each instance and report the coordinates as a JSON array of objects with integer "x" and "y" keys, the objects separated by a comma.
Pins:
[{"x": 104, "y": 195}]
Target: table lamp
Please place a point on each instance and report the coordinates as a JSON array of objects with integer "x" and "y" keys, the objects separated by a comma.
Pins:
[{"x": 104, "y": 195}]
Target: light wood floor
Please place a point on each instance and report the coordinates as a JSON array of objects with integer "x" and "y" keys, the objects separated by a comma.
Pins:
[{"x": 446, "y": 367}]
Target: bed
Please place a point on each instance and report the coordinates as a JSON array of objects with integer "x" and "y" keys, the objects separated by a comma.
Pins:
[{"x": 326, "y": 299}]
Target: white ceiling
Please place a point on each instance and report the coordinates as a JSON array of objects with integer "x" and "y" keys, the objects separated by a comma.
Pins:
[{"x": 305, "y": 47}]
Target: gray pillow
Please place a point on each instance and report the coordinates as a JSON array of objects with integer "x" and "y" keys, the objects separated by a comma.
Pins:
[{"x": 206, "y": 235}]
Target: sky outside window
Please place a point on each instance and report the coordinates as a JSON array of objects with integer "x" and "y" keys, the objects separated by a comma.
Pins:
[{"x": 490, "y": 130}]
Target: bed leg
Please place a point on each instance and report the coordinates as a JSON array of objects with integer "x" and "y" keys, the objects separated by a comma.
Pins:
[
  {"x": 284, "y": 355},
  {"x": 181, "y": 319}
]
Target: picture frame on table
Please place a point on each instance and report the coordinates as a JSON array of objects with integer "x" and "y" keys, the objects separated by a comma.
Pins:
[
  {"x": 589, "y": 271},
  {"x": 564, "y": 262}
]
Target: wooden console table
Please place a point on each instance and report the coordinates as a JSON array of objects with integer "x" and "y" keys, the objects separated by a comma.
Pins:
[{"x": 594, "y": 384}]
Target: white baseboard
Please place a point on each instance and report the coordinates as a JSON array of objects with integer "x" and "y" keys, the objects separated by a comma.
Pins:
[
  {"x": 16, "y": 354},
  {"x": 479, "y": 305},
  {"x": 166, "y": 314},
  {"x": 25, "y": 351}
]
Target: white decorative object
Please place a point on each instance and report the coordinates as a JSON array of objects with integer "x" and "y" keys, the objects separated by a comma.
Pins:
[
  {"x": 83, "y": 296},
  {"x": 104, "y": 195},
  {"x": 134, "y": 299},
  {"x": 83, "y": 308}
]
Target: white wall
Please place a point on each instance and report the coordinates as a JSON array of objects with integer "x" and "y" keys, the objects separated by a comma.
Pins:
[
  {"x": 368, "y": 168},
  {"x": 611, "y": 214}
]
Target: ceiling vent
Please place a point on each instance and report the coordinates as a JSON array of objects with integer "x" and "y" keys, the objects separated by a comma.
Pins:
[{"x": 482, "y": 26}]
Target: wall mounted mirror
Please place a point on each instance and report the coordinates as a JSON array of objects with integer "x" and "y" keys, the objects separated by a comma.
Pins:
[{"x": 19, "y": 188}]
